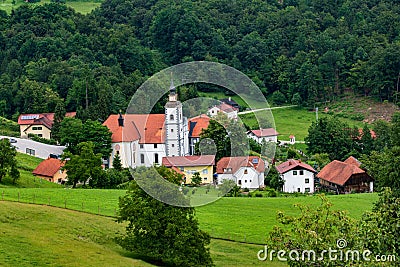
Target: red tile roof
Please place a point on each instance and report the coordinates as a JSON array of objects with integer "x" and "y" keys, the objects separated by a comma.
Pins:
[
  {"x": 200, "y": 122},
  {"x": 352, "y": 160},
  {"x": 46, "y": 119},
  {"x": 265, "y": 132},
  {"x": 338, "y": 172},
  {"x": 187, "y": 161},
  {"x": 293, "y": 164},
  {"x": 235, "y": 163},
  {"x": 148, "y": 128},
  {"x": 48, "y": 167}
]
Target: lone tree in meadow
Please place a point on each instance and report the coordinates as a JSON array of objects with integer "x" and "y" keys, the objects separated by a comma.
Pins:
[
  {"x": 160, "y": 232},
  {"x": 8, "y": 164}
]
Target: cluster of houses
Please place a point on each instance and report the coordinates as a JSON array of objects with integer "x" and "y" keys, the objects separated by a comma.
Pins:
[
  {"x": 169, "y": 139},
  {"x": 337, "y": 176}
]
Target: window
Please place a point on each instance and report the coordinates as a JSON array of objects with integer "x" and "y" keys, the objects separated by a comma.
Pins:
[
  {"x": 250, "y": 181},
  {"x": 134, "y": 157},
  {"x": 173, "y": 145},
  {"x": 37, "y": 128},
  {"x": 171, "y": 117},
  {"x": 172, "y": 130},
  {"x": 118, "y": 152},
  {"x": 307, "y": 181},
  {"x": 307, "y": 190},
  {"x": 40, "y": 135},
  {"x": 141, "y": 145},
  {"x": 205, "y": 171},
  {"x": 205, "y": 178},
  {"x": 298, "y": 190},
  {"x": 294, "y": 172},
  {"x": 142, "y": 158},
  {"x": 245, "y": 181},
  {"x": 240, "y": 182},
  {"x": 301, "y": 172},
  {"x": 155, "y": 145},
  {"x": 181, "y": 168},
  {"x": 155, "y": 158},
  {"x": 245, "y": 171}
]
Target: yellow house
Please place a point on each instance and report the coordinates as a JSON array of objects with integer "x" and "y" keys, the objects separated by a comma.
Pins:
[
  {"x": 189, "y": 165},
  {"x": 51, "y": 170},
  {"x": 39, "y": 124}
]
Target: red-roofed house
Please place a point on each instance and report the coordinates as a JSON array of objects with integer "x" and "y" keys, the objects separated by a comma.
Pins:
[
  {"x": 196, "y": 125},
  {"x": 50, "y": 169},
  {"x": 39, "y": 124},
  {"x": 144, "y": 139},
  {"x": 230, "y": 111},
  {"x": 189, "y": 165},
  {"x": 247, "y": 172},
  {"x": 267, "y": 135},
  {"x": 345, "y": 177},
  {"x": 298, "y": 176}
]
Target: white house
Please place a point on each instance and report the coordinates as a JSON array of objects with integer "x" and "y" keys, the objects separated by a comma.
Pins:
[
  {"x": 247, "y": 172},
  {"x": 298, "y": 176},
  {"x": 230, "y": 111},
  {"x": 267, "y": 135},
  {"x": 144, "y": 139}
]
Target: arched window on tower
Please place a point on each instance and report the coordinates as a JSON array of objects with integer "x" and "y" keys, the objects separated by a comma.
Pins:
[{"x": 171, "y": 117}]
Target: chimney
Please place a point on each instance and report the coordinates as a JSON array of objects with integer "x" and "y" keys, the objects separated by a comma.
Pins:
[{"x": 120, "y": 120}]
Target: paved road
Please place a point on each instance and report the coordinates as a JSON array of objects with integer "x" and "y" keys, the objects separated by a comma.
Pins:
[
  {"x": 36, "y": 149},
  {"x": 255, "y": 110}
]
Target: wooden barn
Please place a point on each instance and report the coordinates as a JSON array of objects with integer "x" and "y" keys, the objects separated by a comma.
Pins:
[{"x": 345, "y": 177}]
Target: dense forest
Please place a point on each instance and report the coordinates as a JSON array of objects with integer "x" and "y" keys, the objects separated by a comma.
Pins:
[{"x": 312, "y": 50}]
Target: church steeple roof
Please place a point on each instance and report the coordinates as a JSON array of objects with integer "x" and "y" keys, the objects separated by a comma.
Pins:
[{"x": 172, "y": 88}]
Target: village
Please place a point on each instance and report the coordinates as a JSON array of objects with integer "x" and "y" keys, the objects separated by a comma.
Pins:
[{"x": 170, "y": 139}]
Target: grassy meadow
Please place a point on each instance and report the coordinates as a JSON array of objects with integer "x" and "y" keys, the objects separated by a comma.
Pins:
[
  {"x": 294, "y": 121},
  {"x": 82, "y": 7},
  {"x": 240, "y": 219},
  {"x": 35, "y": 235}
]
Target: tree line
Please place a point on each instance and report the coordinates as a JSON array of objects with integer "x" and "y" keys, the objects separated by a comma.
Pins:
[{"x": 301, "y": 51}]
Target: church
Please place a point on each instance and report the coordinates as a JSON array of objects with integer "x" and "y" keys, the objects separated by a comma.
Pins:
[{"x": 144, "y": 139}]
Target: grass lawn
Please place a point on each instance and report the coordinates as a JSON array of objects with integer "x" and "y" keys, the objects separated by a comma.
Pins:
[
  {"x": 35, "y": 235},
  {"x": 42, "y": 236},
  {"x": 81, "y": 7},
  {"x": 251, "y": 219},
  {"x": 240, "y": 219}
]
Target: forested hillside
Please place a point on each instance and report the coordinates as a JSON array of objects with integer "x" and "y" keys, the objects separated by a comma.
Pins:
[{"x": 316, "y": 49}]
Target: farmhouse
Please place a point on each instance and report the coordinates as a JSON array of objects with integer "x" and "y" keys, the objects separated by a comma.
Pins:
[
  {"x": 230, "y": 111},
  {"x": 261, "y": 135},
  {"x": 247, "y": 172},
  {"x": 39, "y": 124},
  {"x": 189, "y": 165},
  {"x": 298, "y": 176},
  {"x": 196, "y": 124},
  {"x": 345, "y": 177},
  {"x": 50, "y": 169}
]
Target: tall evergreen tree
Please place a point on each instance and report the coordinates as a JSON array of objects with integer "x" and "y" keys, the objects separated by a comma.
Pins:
[{"x": 59, "y": 115}]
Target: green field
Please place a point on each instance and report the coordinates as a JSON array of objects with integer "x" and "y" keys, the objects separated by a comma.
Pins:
[
  {"x": 35, "y": 235},
  {"x": 294, "y": 121},
  {"x": 82, "y": 7},
  {"x": 240, "y": 219}
]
